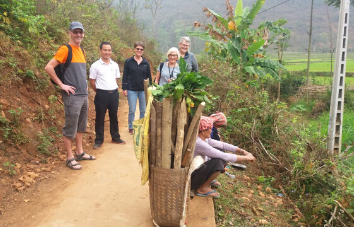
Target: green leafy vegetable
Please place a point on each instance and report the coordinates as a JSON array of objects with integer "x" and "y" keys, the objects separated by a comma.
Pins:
[{"x": 187, "y": 84}]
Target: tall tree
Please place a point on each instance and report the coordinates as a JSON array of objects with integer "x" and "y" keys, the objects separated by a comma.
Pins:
[
  {"x": 336, "y": 3},
  {"x": 128, "y": 9},
  {"x": 282, "y": 44},
  {"x": 308, "y": 54},
  {"x": 154, "y": 6}
]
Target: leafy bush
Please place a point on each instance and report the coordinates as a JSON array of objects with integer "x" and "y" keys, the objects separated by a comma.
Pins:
[
  {"x": 12, "y": 127},
  {"x": 234, "y": 41},
  {"x": 10, "y": 168},
  {"x": 22, "y": 22},
  {"x": 289, "y": 85},
  {"x": 46, "y": 143}
]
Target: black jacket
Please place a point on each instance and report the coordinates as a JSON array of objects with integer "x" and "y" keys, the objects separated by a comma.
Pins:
[{"x": 134, "y": 74}]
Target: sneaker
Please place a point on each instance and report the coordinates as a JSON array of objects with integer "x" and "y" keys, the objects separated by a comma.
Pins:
[
  {"x": 236, "y": 165},
  {"x": 131, "y": 131},
  {"x": 120, "y": 141},
  {"x": 96, "y": 146}
]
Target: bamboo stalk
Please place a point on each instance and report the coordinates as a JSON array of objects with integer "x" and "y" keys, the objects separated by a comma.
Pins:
[
  {"x": 146, "y": 86},
  {"x": 192, "y": 142},
  {"x": 196, "y": 118},
  {"x": 186, "y": 157},
  {"x": 176, "y": 109},
  {"x": 181, "y": 122},
  {"x": 166, "y": 133},
  {"x": 152, "y": 154},
  {"x": 172, "y": 148},
  {"x": 158, "y": 109}
]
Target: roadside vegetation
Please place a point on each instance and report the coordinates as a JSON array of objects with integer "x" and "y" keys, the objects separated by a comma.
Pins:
[{"x": 287, "y": 135}]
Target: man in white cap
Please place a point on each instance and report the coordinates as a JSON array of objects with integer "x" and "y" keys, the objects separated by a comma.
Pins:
[{"x": 74, "y": 93}]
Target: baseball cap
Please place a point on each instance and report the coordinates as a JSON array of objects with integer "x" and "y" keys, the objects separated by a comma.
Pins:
[{"x": 76, "y": 24}]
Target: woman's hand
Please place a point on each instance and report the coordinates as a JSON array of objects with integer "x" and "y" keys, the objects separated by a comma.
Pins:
[
  {"x": 242, "y": 151},
  {"x": 250, "y": 157},
  {"x": 125, "y": 93}
]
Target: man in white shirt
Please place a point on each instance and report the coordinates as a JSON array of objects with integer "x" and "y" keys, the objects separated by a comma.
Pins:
[{"x": 103, "y": 79}]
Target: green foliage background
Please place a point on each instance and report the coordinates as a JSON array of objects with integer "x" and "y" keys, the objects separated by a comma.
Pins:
[{"x": 41, "y": 27}]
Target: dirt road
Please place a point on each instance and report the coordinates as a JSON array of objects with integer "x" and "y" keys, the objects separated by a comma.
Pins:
[{"x": 106, "y": 192}]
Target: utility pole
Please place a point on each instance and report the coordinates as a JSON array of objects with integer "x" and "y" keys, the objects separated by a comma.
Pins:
[{"x": 337, "y": 100}]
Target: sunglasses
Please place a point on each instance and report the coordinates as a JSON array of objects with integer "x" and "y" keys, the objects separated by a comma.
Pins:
[
  {"x": 139, "y": 49},
  {"x": 78, "y": 31},
  {"x": 185, "y": 45}
]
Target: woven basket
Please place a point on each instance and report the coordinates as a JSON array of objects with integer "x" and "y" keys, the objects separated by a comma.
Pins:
[{"x": 167, "y": 195}]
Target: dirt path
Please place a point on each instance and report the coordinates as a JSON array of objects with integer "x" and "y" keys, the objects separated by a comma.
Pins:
[{"x": 106, "y": 192}]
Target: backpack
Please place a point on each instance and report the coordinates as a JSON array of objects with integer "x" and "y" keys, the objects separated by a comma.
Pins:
[
  {"x": 60, "y": 69},
  {"x": 161, "y": 66}
]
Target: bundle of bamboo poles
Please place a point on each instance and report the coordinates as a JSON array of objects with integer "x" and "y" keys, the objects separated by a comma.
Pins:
[{"x": 173, "y": 134}]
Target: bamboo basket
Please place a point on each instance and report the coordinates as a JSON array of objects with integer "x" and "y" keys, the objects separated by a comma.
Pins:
[
  {"x": 172, "y": 142},
  {"x": 168, "y": 198}
]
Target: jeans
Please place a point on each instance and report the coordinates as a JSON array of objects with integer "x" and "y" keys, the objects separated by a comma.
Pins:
[{"x": 132, "y": 99}]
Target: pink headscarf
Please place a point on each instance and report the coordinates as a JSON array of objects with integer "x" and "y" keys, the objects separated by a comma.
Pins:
[
  {"x": 205, "y": 123},
  {"x": 219, "y": 118}
]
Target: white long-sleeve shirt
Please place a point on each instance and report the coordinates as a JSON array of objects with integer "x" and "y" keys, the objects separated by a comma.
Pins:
[{"x": 207, "y": 149}]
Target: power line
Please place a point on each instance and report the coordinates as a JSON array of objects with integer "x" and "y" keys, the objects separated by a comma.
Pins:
[{"x": 273, "y": 6}]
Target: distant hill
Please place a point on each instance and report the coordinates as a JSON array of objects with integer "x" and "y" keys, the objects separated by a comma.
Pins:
[{"x": 175, "y": 18}]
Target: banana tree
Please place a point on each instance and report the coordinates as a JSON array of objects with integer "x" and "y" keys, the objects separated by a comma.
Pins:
[{"x": 234, "y": 41}]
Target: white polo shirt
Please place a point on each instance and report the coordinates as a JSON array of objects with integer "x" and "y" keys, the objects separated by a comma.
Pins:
[{"x": 105, "y": 75}]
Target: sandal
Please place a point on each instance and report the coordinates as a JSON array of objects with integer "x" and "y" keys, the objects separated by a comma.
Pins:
[
  {"x": 215, "y": 184},
  {"x": 208, "y": 194},
  {"x": 71, "y": 165},
  {"x": 80, "y": 157}
]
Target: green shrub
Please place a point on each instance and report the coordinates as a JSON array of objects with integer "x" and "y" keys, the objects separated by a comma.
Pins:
[
  {"x": 45, "y": 143},
  {"x": 10, "y": 168},
  {"x": 30, "y": 74},
  {"x": 289, "y": 85},
  {"x": 12, "y": 127}
]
